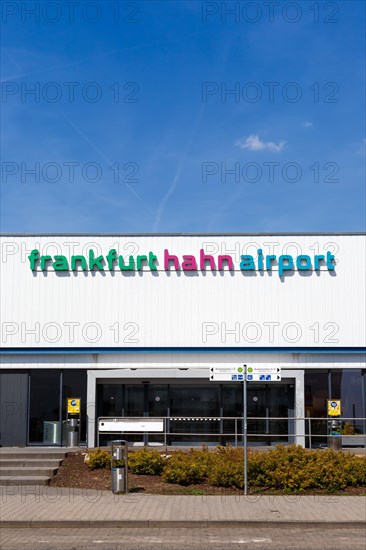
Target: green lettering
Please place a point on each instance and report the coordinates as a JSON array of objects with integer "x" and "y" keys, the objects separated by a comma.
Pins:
[
  {"x": 44, "y": 260},
  {"x": 80, "y": 259},
  {"x": 111, "y": 256},
  {"x": 124, "y": 267},
  {"x": 60, "y": 264},
  {"x": 95, "y": 262},
  {"x": 140, "y": 259},
  {"x": 33, "y": 258},
  {"x": 152, "y": 259}
]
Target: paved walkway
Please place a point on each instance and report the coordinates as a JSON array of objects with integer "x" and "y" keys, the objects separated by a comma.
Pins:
[{"x": 26, "y": 506}]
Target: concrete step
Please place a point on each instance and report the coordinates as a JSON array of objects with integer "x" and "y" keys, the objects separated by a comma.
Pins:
[
  {"x": 24, "y": 480},
  {"x": 29, "y": 462},
  {"x": 31, "y": 472},
  {"x": 28, "y": 466},
  {"x": 39, "y": 455}
]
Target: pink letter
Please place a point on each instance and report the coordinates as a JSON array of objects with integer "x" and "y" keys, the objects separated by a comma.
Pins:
[
  {"x": 227, "y": 259},
  {"x": 172, "y": 258},
  {"x": 204, "y": 259},
  {"x": 189, "y": 264}
]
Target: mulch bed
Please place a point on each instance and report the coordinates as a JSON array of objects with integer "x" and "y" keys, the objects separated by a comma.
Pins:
[{"x": 74, "y": 472}]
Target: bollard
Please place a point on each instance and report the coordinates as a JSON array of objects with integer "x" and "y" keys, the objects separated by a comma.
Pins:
[
  {"x": 119, "y": 466},
  {"x": 335, "y": 437},
  {"x": 73, "y": 432}
]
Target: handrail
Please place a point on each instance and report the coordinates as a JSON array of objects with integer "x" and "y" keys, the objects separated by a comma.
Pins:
[
  {"x": 237, "y": 417},
  {"x": 236, "y": 434}
]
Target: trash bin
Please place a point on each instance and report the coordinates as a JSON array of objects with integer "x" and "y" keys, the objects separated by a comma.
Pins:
[
  {"x": 73, "y": 432},
  {"x": 335, "y": 441},
  {"x": 119, "y": 458},
  {"x": 335, "y": 438}
]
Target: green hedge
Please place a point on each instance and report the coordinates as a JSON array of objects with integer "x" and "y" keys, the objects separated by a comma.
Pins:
[
  {"x": 186, "y": 468},
  {"x": 288, "y": 469},
  {"x": 294, "y": 469},
  {"x": 146, "y": 462},
  {"x": 99, "y": 459}
]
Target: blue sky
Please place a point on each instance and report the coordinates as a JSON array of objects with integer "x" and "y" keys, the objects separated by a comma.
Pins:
[{"x": 130, "y": 129}]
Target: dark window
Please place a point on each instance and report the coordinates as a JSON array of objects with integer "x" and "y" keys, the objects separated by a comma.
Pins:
[
  {"x": 158, "y": 400},
  {"x": 347, "y": 385},
  {"x": 134, "y": 400},
  {"x": 109, "y": 400},
  {"x": 47, "y": 422},
  {"x": 316, "y": 396},
  {"x": 44, "y": 411},
  {"x": 74, "y": 383}
]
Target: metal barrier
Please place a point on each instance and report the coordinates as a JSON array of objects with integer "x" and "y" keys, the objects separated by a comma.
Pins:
[{"x": 169, "y": 429}]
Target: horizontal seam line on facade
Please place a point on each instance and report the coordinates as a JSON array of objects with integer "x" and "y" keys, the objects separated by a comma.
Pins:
[
  {"x": 286, "y": 234},
  {"x": 78, "y": 350}
]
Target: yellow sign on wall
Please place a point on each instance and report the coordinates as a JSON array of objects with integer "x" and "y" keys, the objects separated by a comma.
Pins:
[
  {"x": 73, "y": 405},
  {"x": 334, "y": 407}
]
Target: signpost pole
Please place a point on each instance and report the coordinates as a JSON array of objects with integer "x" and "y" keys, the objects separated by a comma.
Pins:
[{"x": 245, "y": 432}]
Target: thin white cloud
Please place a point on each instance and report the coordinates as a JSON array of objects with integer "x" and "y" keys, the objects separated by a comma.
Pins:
[
  {"x": 71, "y": 64},
  {"x": 107, "y": 160},
  {"x": 254, "y": 143},
  {"x": 178, "y": 171},
  {"x": 308, "y": 124}
]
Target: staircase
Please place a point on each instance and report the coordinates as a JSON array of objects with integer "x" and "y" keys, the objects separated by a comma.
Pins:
[{"x": 29, "y": 466}]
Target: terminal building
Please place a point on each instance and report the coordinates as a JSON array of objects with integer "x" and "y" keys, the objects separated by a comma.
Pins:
[{"x": 145, "y": 327}]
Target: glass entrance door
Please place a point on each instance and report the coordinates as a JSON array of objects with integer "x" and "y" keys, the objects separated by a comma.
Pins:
[
  {"x": 134, "y": 400},
  {"x": 196, "y": 412},
  {"x": 270, "y": 409}
]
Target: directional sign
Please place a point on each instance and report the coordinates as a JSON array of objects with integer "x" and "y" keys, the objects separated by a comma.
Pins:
[
  {"x": 263, "y": 370},
  {"x": 227, "y": 374},
  {"x": 265, "y": 377},
  {"x": 231, "y": 369}
]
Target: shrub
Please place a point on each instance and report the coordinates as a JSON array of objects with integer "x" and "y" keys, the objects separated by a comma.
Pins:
[
  {"x": 290, "y": 469},
  {"x": 355, "y": 469},
  {"x": 348, "y": 429},
  {"x": 202, "y": 458},
  {"x": 223, "y": 467},
  {"x": 146, "y": 462},
  {"x": 294, "y": 469},
  {"x": 99, "y": 459},
  {"x": 225, "y": 473},
  {"x": 184, "y": 469},
  {"x": 235, "y": 454}
]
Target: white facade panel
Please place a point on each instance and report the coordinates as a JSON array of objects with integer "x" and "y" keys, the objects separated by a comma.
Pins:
[
  {"x": 181, "y": 364},
  {"x": 203, "y": 308}
]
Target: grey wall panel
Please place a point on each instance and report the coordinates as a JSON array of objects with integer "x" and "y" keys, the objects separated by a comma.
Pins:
[{"x": 13, "y": 408}]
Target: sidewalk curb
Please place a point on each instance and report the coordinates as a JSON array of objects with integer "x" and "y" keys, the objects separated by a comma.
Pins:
[{"x": 164, "y": 524}]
